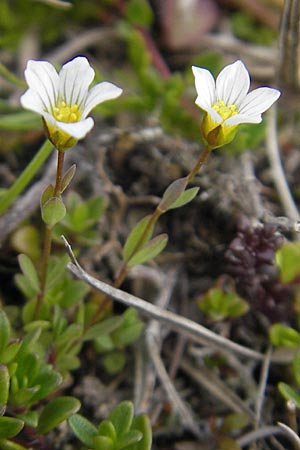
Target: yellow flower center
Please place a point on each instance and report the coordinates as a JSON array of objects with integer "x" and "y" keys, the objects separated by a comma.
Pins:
[
  {"x": 65, "y": 113},
  {"x": 224, "y": 110}
]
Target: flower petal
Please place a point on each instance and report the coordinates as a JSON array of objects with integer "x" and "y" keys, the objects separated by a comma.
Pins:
[
  {"x": 42, "y": 78},
  {"x": 100, "y": 93},
  {"x": 32, "y": 101},
  {"x": 77, "y": 130},
  {"x": 74, "y": 80},
  {"x": 233, "y": 83},
  {"x": 205, "y": 87},
  {"x": 215, "y": 117},
  {"x": 258, "y": 101},
  {"x": 242, "y": 118}
]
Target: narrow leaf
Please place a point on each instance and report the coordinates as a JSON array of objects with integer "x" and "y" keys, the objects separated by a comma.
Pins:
[
  {"x": 5, "y": 444},
  {"x": 296, "y": 368},
  {"x": 289, "y": 393},
  {"x": 47, "y": 194},
  {"x": 83, "y": 429},
  {"x": 104, "y": 327},
  {"x": 142, "y": 424},
  {"x": 102, "y": 443},
  {"x": 172, "y": 193},
  {"x": 185, "y": 198},
  {"x": 10, "y": 427},
  {"x": 107, "y": 429},
  {"x": 56, "y": 411},
  {"x": 137, "y": 237},
  {"x": 129, "y": 438},
  {"x": 67, "y": 178},
  {"x": 149, "y": 251},
  {"x": 4, "y": 387},
  {"x": 29, "y": 271},
  {"x": 121, "y": 417},
  {"x": 4, "y": 330}
]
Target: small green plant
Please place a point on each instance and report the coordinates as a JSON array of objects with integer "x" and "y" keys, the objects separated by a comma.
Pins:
[
  {"x": 221, "y": 303},
  {"x": 122, "y": 430}
]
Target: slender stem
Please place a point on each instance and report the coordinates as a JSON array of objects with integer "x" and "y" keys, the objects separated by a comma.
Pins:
[
  {"x": 48, "y": 237},
  {"x": 26, "y": 176},
  {"x": 198, "y": 165},
  {"x": 59, "y": 172},
  {"x": 43, "y": 272},
  {"x": 120, "y": 277}
]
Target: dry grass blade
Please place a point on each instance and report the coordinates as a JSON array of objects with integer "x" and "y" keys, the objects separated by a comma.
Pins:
[{"x": 181, "y": 324}]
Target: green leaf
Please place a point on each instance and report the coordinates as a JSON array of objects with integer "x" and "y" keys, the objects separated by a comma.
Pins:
[
  {"x": 102, "y": 443},
  {"x": 42, "y": 324},
  {"x": 142, "y": 424},
  {"x": 67, "y": 178},
  {"x": 296, "y": 368},
  {"x": 72, "y": 333},
  {"x": 234, "y": 423},
  {"x": 130, "y": 329},
  {"x": 289, "y": 393},
  {"x": 53, "y": 211},
  {"x": 24, "y": 285},
  {"x": 107, "y": 429},
  {"x": 10, "y": 445},
  {"x": 21, "y": 121},
  {"x": 129, "y": 438},
  {"x": 29, "y": 271},
  {"x": 75, "y": 291},
  {"x": 121, "y": 417},
  {"x": 284, "y": 336},
  {"x": 97, "y": 207},
  {"x": 185, "y": 198},
  {"x": 56, "y": 270},
  {"x": 220, "y": 305},
  {"x": 288, "y": 260},
  {"x": 4, "y": 330},
  {"x": 83, "y": 429},
  {"x": 149, "y": 251},
  {"x": 172, "y": 194},
  {"x": 10, "y": 427},
  {"x": 67, "y": 362},
  {"x": 137, "y": 237},
  {"x": 4, "y": 387},
  {"x": 46, "y": 195},
  {"x": 106, "y": 326},
  {"x": 47, "y": 381},
  {"x": 114, "y": 362},
  {"x": 56, "y": 411},
  {"x": 30, "y": 418},
  {"x": 10, "y": 352},
  {"x": 139, "y": 12}
]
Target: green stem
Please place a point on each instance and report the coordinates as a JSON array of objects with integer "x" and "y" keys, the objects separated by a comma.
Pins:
[
  {"x": 198, "y": 165},
  {"x": 44, "y": 268},
  {"x": 48, "y": 238},
  {"x": 153, "y": 219},
  {"x": 26, "y": 176}
]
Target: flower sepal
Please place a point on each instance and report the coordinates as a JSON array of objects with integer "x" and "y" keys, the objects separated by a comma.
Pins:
[
  {"x": 216, "y": 135},
  {"x": 60, "y": 139}
]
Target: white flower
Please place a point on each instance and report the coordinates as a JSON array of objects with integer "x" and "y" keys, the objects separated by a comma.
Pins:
[
  {"x": 227, "y": 102},
  {"x": 64, "y": 100}
]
